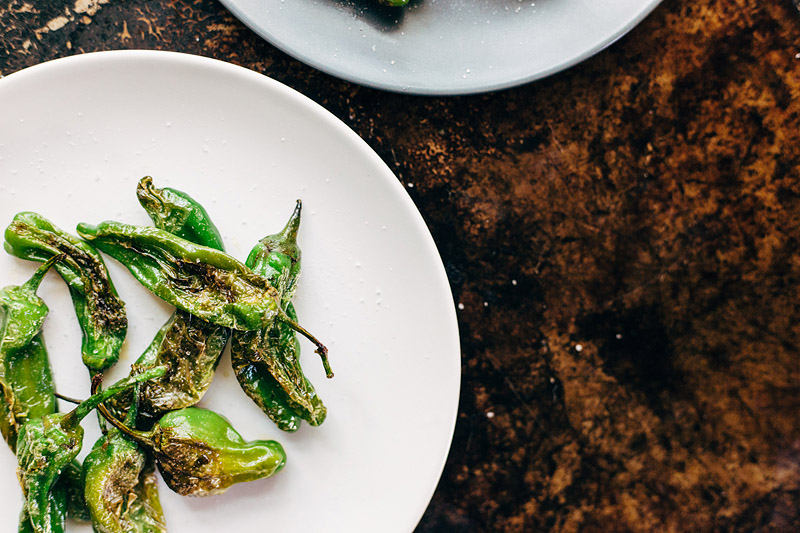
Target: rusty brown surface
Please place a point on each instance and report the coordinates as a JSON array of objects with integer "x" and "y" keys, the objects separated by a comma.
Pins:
[{"x": 623, "y": 238}]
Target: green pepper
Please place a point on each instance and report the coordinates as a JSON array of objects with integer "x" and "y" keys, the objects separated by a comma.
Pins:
[
  {"x": 200, "y": 280},
  {"x": 197, "y": 279},
  {"x": 71, "y": 482},
  {"x": 56, "y": 514},
  {"x": 120, "y": 487},
  {"x": 26, "y": 382},
  {"x": 47, "y": 445},
  {"x": 178, "y": 213},
  {"x": 199, "y": 453},
  {"x": 189, "y": 347},
  {"x": 101, "y": 314},
  {"x": 266, "y": 362}
]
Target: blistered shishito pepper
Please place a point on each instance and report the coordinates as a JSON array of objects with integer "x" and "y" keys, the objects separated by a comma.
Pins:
[
  {"x": 178, "y": 213},
  {"x": 47, "y": 445},
  {"x": 187, "y": 346},
  {"x": 266, "y": 362},
  {"x": 120, "y": 487},
  {"x": 26, "y": 382},
  {"x": 101, "y": 314},
  {"x": 197, "y": 279},
  {"x": 190, "y": 349},
  {"x": 200, "y": 280},
  {"x": 71, "y": 482},
  {"x": 199, "y": 453}
]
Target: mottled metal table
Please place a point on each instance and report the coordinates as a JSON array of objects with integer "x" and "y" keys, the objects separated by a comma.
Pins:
[{"x": 622, "y": 240}]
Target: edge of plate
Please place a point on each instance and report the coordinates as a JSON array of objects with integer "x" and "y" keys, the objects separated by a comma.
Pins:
[
  {"x": 230, "y": 69},
  {"x": 450, "y": 90}
]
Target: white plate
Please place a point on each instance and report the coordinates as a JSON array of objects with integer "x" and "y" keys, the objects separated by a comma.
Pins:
[
  {"x": 441, "y": 47},
  {"x": 76, "y": 135}
]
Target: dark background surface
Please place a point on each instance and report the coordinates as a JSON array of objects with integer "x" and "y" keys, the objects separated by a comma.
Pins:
[{"x": 623, "y": 237}]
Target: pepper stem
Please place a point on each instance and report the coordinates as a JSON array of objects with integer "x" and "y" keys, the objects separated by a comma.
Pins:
[
  {"x": 74, "y": 417},
  {"x": 36, "y": 280},
  {"x": 289, "y": 232},
  {"x": 142, "y": 437},
  {"x": 67, "y": 398},
  {"x": 321, "y": 349}
]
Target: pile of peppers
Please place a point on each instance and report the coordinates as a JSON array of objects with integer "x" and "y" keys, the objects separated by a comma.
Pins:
[{"x": 149, "y": 420}]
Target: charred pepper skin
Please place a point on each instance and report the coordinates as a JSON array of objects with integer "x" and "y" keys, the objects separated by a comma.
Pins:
[
  {"x": 120, "y": 487},
  {"x": 26, "y": 381},
  {"x": 189, "y": 347},
  {"x": 266, "y": 362},
  {"x": 178, "y": 213},
  {"x": 47, "y": 445},
  {"x": 197, "y": 279},
  {"x": 199, "y": 453},
  {"x": 101, "y": 313}
]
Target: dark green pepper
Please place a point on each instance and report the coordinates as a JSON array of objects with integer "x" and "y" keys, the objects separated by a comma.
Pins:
[
  {"x": 266, "y": 362},
  {"x": 71, "y": 482},
  {"x": 178, "y": 213},
  {"x": 47, "y": 445},
  {"x": 101, "y": 314},
  {"x": 120, "y": 487},
  {"x": 197, "y": 279},
  {"x": 199, "y": 453},
  {"x": 26, "y": 382},
  {"x": 200, "y": 280},
  {"x": 189, "y": 347}
]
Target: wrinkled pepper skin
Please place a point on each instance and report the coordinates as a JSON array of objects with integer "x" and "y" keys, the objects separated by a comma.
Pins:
[
  {"x": 47, "y": 445},
  {"x": 100, "y": 312},
  {"x": 120, "y": 487},
  {"x": 199, "y": 453},
  {"x": 56, "y": 513},
  {"x": 71, "y": 482},
  {"x": 189, "y": 347},
  {"x": 197, "y": 279},
  {"x": 178, "y": 213},
  {"x": 26, "y": 381},
  {"x": 266, "y": 362}
]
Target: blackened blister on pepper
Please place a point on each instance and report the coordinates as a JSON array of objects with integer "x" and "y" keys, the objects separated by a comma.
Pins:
[
  {"x": 188, "y": 346},
  {"x": 101, "y": 313},
  {"x": 199, "y": 453},
  {"x": 119, "y": 485},
  {"x": 202, "y": 281}
]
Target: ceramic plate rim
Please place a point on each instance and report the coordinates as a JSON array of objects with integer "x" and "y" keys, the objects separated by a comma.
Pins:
[{"x": 456, "y": 88}]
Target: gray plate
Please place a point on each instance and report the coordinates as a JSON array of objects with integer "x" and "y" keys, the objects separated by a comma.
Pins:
[{"x": 441, "y": 47}]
